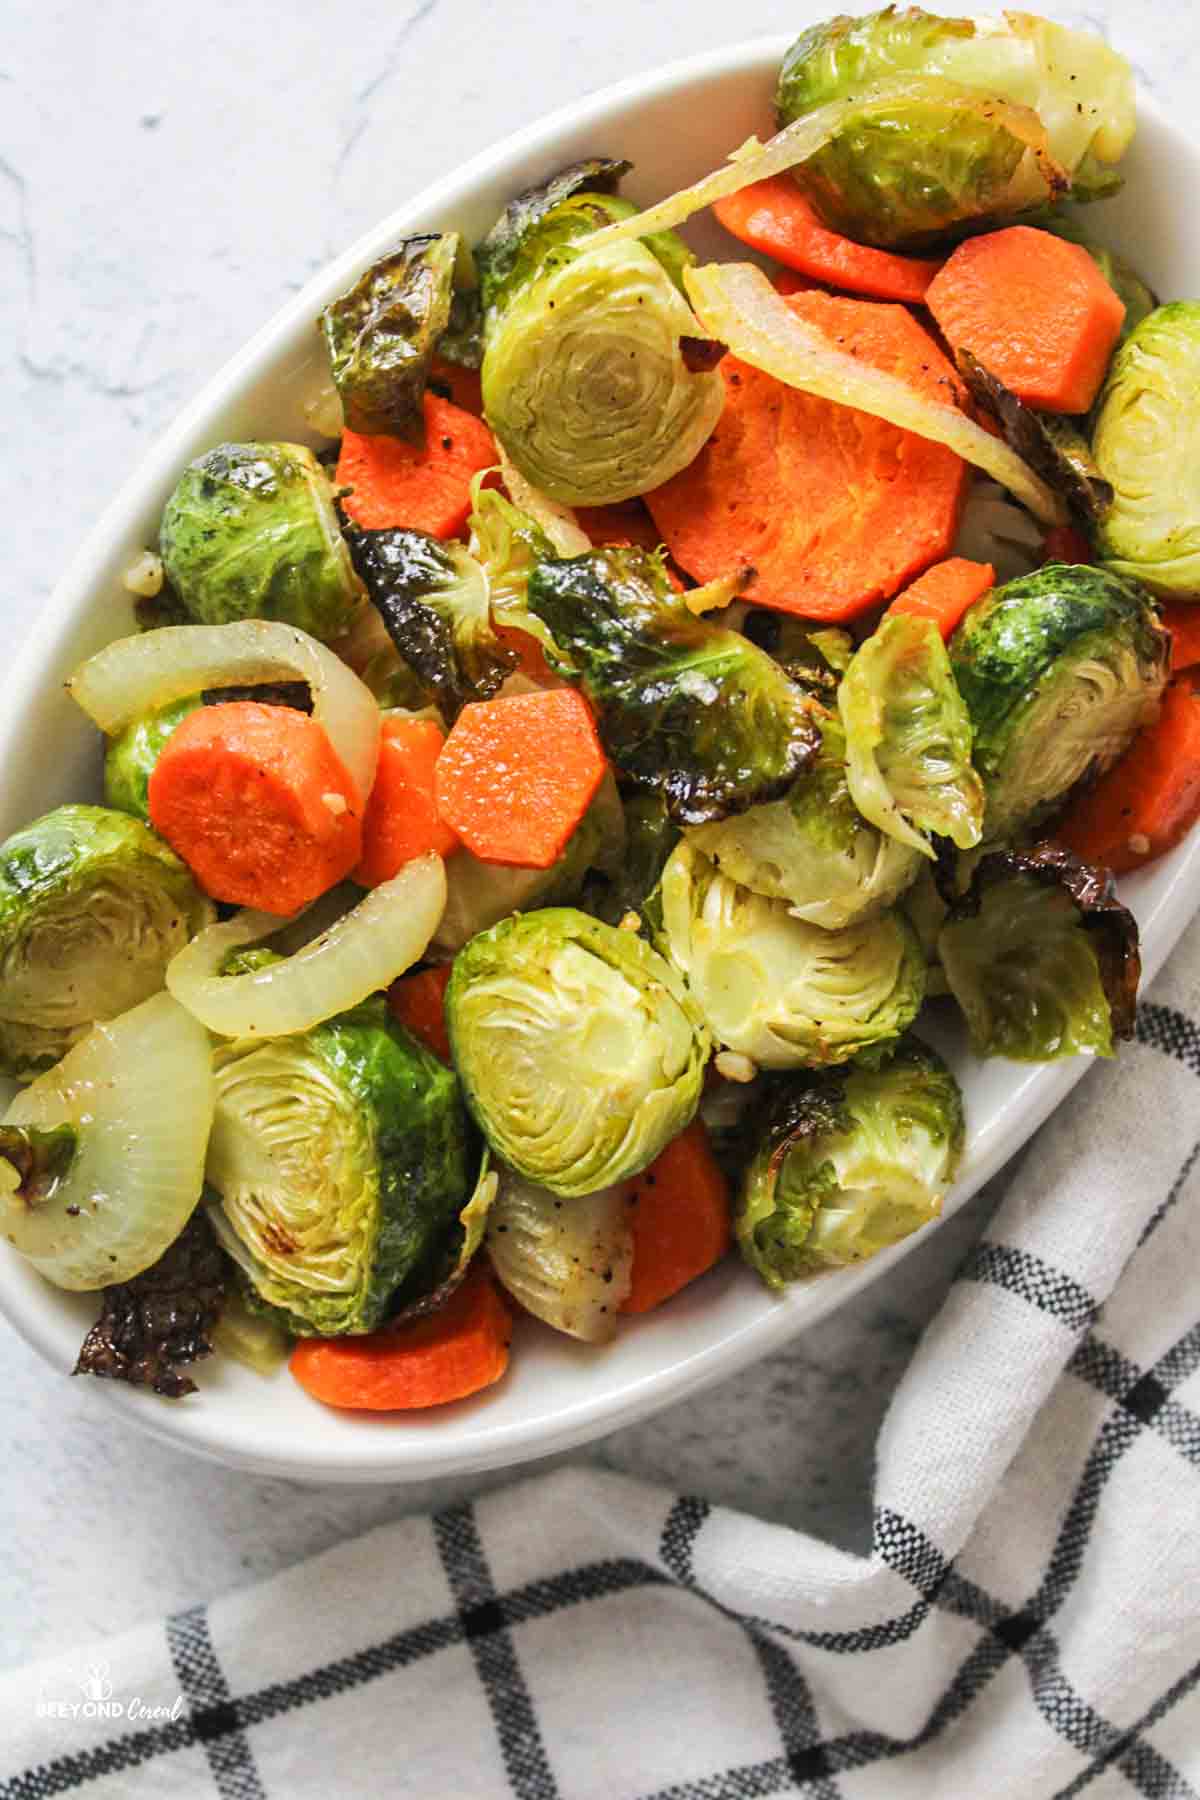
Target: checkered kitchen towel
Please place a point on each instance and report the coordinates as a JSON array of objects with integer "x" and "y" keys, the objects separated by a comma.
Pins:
[{"x": 1027, "y": 1625}]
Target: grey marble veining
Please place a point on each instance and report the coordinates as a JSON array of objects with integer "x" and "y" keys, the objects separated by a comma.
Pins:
[{"x": 168, "y": 176}]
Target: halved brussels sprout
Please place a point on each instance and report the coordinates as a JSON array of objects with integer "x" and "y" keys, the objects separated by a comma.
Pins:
[
  {"x": 1041, "y": 957},
  {"x": 578, "y": 1047},
  {"x": 434, "y": 602},
  {"x": 1146, "y": 442},
  {"x": 93, "y": 906},
  {"x": 813, "y": 849},
  {"x": 382, "y": 333},
  {"x": 686, "y": 708},
  {"x": 782, "y": 992},
  {"x": 588, "y": 380},
  {"x": 929, "y": 169},
  {"x": 340, "y": 1156},
  {"x": 908, "y": 738},
  {"x": 568, "y": 1262},
  {"x": 250, "y": 533},
  {"x": 1059, "y": 670},
  {"x": 850, "y": 1163}
]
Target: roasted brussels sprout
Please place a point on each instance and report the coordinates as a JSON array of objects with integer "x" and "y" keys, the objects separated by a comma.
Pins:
[
  {"x": 782, "y": 992},
  {"x": 908, "y": 738},
  {"x": 588, "y": 378},
  {"x": 341, "y": 1158},
  {"x": 130, "y": 756},
  {"x": 1056, "y": 111},
  {"x": 1145, "y": 422},
  {"x": 93, "y": 906},
  {"x": 579, "y": 1048},
  {"x": 1059, "y": 670},
  {"x": 1041, "y": 957},
  {"x": 813, "y": 849},
  {"x": 686, "y": 707},
  {"x": 433, "y": 600},
  {"x": 250, "y": 533},
  {"x": 849, "y": 1163},
  {"x": 381, "y": 335}
]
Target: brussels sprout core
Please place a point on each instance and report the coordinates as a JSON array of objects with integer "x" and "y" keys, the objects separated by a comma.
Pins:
[{"x": 579, "y": 1049}]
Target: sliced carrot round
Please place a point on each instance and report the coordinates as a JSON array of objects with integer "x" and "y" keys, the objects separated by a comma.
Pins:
[
  {"x": 424, "y": 487},
  {"x": 775, "y": 217},
  {"x": 679, "y": 1211},
  {"x": 258, "y": 804},
  {"x": 1144, "y": 804},
  {"x": 402, "y": 819},
  {"x": 833, "y": 509},
  {"x": 945, "y": 592},
  {"x": 517, "y": 775},
  {"x": 419, "y": 1002}
]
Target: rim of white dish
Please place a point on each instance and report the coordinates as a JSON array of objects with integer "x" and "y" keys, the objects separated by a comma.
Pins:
[{"x": 224, "y": 1435}]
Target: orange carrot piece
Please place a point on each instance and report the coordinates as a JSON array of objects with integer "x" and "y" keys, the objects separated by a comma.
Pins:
[
  {"x": 626, "y": 523},
  {"x": 1182, "y": 620},
  {"x": 424, "y": 488},
  {"x": 418, "y": 1001},
  {"x": 679, "y": 1214},
  {"x": 257, "y": 802},
  {"x": 466, "y": 389},
  {"x": 833, "y": 509},
  {"x": 945, "y": 592},
  {"x": 531, "y": 658},
  {"x": 1146, "y": 801},
  {"x": 1067, "y": 544},
  {"x": 402, "y": 819},
  {"x": 1035, "y": 310},
  {"x": 517, "y": 775},
  {"x": 427, "y": 1362},
  {"x": 775, "y": 217},
  {"x": 790, "y": 281}
]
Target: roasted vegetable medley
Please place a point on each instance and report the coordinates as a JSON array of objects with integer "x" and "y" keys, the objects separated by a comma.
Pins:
[{"x": 550, "y": 809}]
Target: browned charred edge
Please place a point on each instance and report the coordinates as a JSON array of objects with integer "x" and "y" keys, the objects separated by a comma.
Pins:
[
  {"x": 1085, "y": 490},
  {"x": 163, "y": 1317},
  {"x": 701, "y": 354}
]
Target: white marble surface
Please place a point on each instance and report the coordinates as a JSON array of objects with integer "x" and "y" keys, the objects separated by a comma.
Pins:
[{"x": 168, "y": 176}]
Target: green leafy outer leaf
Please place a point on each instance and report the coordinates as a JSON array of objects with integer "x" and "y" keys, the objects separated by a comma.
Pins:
[
  {"x": 782, "y": 992},
  {"x": 381, "y": 335},
  {"x": 428, "y": 1291},
  {"x": 908, "y": 737},
  {"x": 341, "y": 1158},
  {"x": 1145, "y": 442},
  {"x": 849, "y": 1163},
  {"x": 815, "y": 658},
  {"x": 686, "y": 708},
  {"x": 813, "y": 849},
  {"x": 434, "y": 602},
  {"x": 1051, "y": 443},
  {"x": 1041, "y": 957},
  {"x": 92, "y": 908},
  {"x": 650, "y": 837},
  {"x": 130, "y": 756},
  {"x": 504, "y": 248},
  {"x": 1059, "y": 669},
  {"x": 578, "y": 1047},
  {"x": 929, "y": 170},
  {"x": 250, "y": 532}
]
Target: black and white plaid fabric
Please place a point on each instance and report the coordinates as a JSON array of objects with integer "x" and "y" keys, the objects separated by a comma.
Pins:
[{"x": 1027, "y": 1625}]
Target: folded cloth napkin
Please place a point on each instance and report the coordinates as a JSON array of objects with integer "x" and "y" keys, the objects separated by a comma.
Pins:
[{"x": 1027, "y": 1624}]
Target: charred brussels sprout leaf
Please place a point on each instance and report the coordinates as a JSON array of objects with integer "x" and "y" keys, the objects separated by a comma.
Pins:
[
  {"x": 1052, "y": 444},
  {"x": 650, "y": 837},
  {"x": 814, "y": 657},
  {"x": 340, "y": 1157},
  {"x": 813, "y": 849},
  {"x": 908, "y": 738},
  {"x": 93, "y": 906},
  {"x": 1145, "y": 442},
  {"x": 381, "y": 335},
  {"x": 1056, "y": 109},
  {"x": 1041, "y": 957},
  {"x": 687, "y": 708},
  {"x": 164, "y": 1317},
  {"x": 579, "y": 1049},
  {"x": 1059, "y": 670},
  {"x": 782, "y": 992},
  {"x": 251, "y": 533},
  {"x": 433, "y": 600},
  {"x": 848, "y": 1164}
]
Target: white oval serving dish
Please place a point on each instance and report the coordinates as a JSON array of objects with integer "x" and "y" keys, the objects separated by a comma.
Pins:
[{"x": 673, "y": 124}]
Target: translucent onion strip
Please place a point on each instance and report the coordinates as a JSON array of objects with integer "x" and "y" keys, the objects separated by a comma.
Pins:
[
  {"x": 139, "y": 1091},
  {"x": 136, "y": 675},
  {"x": 803, "y": 138},
  {"x": 360, "y": 953},
  {"x": 569, "y": 1262},
  {"x": 558, "y": 522},
  {"x": 736, "y": 303}
]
